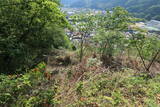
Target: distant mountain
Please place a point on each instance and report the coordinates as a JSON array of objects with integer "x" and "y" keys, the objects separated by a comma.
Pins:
[{"x": 148, "y": 9}]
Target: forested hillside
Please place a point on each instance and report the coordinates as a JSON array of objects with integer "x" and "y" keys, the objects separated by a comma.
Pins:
[
  {"x": 148, "y": 9},
  {"x": 82, "y": 59}
]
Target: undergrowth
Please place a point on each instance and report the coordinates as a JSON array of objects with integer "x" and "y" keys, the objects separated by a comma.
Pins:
[
  {"x": 120, "y": 89},
  {"x": 84, "y": 85},
  {"x": 32, "y": 89}
]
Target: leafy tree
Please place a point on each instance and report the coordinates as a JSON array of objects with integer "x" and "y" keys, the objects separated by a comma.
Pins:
[
  {"x": 84, "y": 25},
  {"x": 28, "y": 30},
  {"x": 111, "y": 34},
  {"x": 148, "y": 48}
]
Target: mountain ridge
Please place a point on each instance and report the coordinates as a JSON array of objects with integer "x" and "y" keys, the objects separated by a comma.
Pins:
[{"x": 147, "y": 9}]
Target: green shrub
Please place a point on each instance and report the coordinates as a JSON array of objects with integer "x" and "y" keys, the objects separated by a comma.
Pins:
[{"x": 29, "y": 90}]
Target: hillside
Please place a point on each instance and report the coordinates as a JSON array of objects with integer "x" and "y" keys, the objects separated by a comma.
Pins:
[
  {"x": 92, "y": 88},
  {"x": 147, "y": 9},
  {"x": 88, "y": 58}
]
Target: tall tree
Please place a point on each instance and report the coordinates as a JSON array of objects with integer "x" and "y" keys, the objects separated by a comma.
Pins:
[
  {"x": 111, "y": 34},
  {"x": 28, "y": 30},
  {"x": 85, "y": 25}
]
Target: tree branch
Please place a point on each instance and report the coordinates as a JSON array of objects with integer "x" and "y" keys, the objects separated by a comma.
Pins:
[{"x": 153, "y": 59}]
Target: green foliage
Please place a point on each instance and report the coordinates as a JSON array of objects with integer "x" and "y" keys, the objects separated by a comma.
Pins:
[
  {"x": 93, "y": 62},
  {"x": 111, "y": 36},
  {"x": 79, "y": 88},
  {"x": 120, "y": 89},
  {"x": 35, "y": 28},
  {"x": 83, "y": 22},
  {"x": 113, "y": 40},
  {"x": 84, "y": 25},
  {"x": 28, "y": 30},
  {"x": 27, "y": 90},
  {"x": 110, "y": 42},
  {"x": 118, "y": 19},
  {"x": 148, "y": 45}
]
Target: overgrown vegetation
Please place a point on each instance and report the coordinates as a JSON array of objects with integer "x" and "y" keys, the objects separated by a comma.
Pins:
[
  {"x": 33, "y": 89},
  {"x": 31, "y": 30},
  {"x": 125, "y": 88},
  {"x": 114, "y": 63}
]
